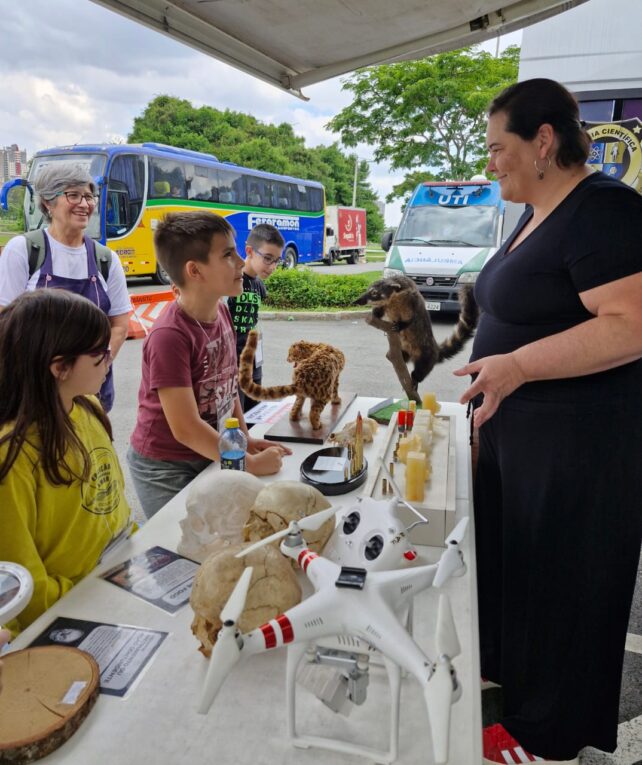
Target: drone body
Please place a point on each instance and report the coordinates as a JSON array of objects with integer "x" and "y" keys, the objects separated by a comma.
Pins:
[
  {"x": 371, "y": 605},
  {"x": 370, "y": 534}
]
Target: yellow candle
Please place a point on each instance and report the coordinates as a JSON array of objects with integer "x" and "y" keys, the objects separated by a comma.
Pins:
[
  {"x": 403, "y": 448},
  {"x": 415, "y": 476},
  {"x": 429, "y": 401}
]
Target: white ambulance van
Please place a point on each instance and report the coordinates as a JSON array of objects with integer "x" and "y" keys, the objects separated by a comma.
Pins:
[{"x": 448, "y": 231}]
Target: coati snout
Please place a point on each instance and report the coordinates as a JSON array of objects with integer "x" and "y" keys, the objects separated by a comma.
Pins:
[
  {"x": 397, "y": 301},
  {"x": 381, "y": 290}
]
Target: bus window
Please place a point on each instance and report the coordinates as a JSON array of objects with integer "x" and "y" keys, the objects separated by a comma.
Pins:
[
  {"x": 199, "y": 183},
  {"x": 231, "y": 187},
  {"x": 166, "y": 179},
  {"x": 316, "y": 199},
  {"x": 302, "y": 198},
  {"x": 281, "y": 195},
  {"x": 125, "y": 194},
  {"x": 259, "y": 192}
]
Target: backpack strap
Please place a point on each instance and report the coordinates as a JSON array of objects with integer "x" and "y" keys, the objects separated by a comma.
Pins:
[
  {"x": 35, "y": 249},
  {"x": 102, "y": 254},
  {"x": 36, "y": 252},
  {"x": 103, "y": 260}
]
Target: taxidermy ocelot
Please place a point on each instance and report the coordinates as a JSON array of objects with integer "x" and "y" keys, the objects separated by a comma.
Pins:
[
  {"x": 397, "y": 300},
  {"x": 317, "y": 367}
]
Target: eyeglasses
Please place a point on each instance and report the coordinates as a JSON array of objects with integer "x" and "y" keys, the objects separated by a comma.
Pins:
[
  {"x": 268, "y": 259},
  {"x": 75, "y": 197},
  {"x": 103, "y": 355}
]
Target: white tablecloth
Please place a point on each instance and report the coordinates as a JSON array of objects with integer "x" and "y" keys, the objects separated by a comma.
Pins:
[{"x": 157, "y": 721}]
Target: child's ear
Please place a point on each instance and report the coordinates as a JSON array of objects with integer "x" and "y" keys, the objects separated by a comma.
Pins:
[
  {"x": 192, "y": 270},
  {"x": 248, "y": 250},
  {"x": 60, "y": 369}
]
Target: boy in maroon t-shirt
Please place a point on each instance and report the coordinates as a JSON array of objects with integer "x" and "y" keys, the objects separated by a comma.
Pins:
[{"x": 189, "y": 376}]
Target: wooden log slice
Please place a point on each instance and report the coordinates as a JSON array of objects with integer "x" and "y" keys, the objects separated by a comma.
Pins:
[{"x": 47, "y": 693}]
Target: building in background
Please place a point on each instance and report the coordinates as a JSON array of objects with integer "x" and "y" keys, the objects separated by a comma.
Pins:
[
  {"x": 13, "y": 163},
  {"x": 596, "y": 51}
]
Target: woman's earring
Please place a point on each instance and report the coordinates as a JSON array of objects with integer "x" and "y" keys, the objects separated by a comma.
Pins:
[{"x": 540, "y": 171}]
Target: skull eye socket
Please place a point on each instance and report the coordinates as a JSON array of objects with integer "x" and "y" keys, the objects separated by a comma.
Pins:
[
  {"x": 351, "y": 522},
  {"x": 374, "y": 546}
]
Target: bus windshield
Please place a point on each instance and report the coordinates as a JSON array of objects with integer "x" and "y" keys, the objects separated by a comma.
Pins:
[
  {"x": 94, "y": 164},
  {"x": 441, "y": 226}
]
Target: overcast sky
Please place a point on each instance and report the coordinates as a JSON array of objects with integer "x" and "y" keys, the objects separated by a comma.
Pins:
[{"x": 74, "y": 72}]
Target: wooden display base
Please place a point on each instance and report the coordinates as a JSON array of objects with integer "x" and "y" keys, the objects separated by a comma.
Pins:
[
  {"x": 439, "y": 503},
  {"x": 47, "y": 693},
  {"x": 301, "y": 430}
]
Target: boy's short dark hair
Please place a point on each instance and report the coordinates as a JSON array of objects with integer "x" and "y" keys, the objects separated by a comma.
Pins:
[
  {"x": 265, "y": 233},
  {"x": 184, "y": 236}
]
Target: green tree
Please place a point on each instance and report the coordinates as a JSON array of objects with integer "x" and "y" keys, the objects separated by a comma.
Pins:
[
  {"x": 426, "y": 116},
  {"x": 236, "y": 137},
  {"x": 13, "y": 218}
]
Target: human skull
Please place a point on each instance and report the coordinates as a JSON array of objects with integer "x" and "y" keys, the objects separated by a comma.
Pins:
[
  {"x": 281, "y": 502},
  {"x": 346, "y": 435},
  {"x": 273, "y": 590},
  {"x": 218, "y": 505}
]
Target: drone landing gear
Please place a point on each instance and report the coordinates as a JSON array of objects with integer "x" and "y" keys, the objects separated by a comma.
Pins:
[{"x": 296, "y": 653}]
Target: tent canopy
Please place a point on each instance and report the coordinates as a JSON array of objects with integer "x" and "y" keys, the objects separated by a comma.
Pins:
[{"x": 295, "y": 43}]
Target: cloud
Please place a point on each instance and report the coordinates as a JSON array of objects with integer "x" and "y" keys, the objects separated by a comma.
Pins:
[{"x": 74, "y": 72}]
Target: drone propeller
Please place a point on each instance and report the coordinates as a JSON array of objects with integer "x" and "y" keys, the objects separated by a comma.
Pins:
[
  {"x": 440, "y": 689},
  {"x": 226, "y": 650},
  {"x": 309, "y": 523},
  {"x": 451, "y": 560}
]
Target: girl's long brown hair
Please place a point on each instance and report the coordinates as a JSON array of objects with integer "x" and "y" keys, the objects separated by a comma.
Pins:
[{"x": 34, "y": 329}]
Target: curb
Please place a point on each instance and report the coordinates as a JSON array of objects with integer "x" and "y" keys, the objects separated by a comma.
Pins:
[{"x": 311, "y": 315}]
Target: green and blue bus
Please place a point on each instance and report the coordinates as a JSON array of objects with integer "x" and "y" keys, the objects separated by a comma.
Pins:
[{"x": 138, "y": 184}]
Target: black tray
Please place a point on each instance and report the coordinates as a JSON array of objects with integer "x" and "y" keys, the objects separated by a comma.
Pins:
[{"x": 331, "y": 482}]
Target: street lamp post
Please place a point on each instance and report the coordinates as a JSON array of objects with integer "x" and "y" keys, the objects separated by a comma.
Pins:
[{"x": 354, "y": 184}]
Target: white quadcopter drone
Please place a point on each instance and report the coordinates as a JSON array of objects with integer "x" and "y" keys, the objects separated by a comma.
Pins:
[{"x": 371, "y": 605}]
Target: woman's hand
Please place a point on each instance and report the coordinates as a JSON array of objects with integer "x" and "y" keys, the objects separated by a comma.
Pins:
[
  {"x": 266, "y": 462},
  {"x": 497, "y": 377},
  {"x": 257, "y": 445}
]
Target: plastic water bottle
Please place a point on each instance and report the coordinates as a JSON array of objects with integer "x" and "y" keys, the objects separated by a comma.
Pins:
[{"x": 232, "y": 446}]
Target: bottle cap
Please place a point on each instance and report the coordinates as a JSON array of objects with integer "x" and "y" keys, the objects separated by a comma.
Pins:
[{"x": 231, "y": 422}]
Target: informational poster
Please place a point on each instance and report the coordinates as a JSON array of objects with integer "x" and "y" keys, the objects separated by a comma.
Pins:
[
  {"x": 159, "y": 576},
  {"x": 122, "y": 652},
  {"x": 268, "y": 411}
]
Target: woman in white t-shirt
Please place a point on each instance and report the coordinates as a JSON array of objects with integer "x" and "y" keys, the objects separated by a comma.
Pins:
[{"x": 67, "y": 197}]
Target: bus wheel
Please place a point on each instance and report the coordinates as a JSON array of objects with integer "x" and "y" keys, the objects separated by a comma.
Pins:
[
  {"x": 291, "y": 258},
  {"x": 161, "y": 276}
]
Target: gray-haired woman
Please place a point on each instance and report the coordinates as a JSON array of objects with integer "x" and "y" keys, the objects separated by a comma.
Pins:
[{"x": 67, "y": 198}]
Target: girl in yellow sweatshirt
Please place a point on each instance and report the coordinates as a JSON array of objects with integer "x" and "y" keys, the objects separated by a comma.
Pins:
[{"x": 62, "y": 499}]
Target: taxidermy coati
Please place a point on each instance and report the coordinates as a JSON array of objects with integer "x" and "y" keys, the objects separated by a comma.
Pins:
[
  {"x": 398, "y": 301},
  {"x": 316, "y": 376}
]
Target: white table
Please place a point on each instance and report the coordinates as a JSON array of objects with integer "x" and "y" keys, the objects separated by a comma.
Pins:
[{"x": 157, "y": 721}]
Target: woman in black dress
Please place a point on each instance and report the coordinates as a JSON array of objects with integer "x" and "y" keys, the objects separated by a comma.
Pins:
[{"x": 557, "y": 386}]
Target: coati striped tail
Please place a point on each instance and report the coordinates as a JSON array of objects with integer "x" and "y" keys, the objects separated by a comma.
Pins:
[
  {"x": 465, "y": 327},
  {"x": 247, "y": 384}
]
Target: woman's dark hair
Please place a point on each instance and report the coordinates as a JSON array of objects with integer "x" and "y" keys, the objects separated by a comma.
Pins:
[
  {"x": 34, "y": 329},
  {"x": 530, "y": 104}
]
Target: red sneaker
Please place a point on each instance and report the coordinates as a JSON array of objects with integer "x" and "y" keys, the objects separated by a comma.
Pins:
[{"x": 501, "y": 747}]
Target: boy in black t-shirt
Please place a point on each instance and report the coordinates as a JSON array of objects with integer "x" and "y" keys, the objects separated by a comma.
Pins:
[{"x": 263, "y": 252}]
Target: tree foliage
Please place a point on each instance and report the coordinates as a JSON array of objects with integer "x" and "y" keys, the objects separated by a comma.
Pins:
[
  {"x": 236, "y": 137},
  {"x": 426, "y": 116}
]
